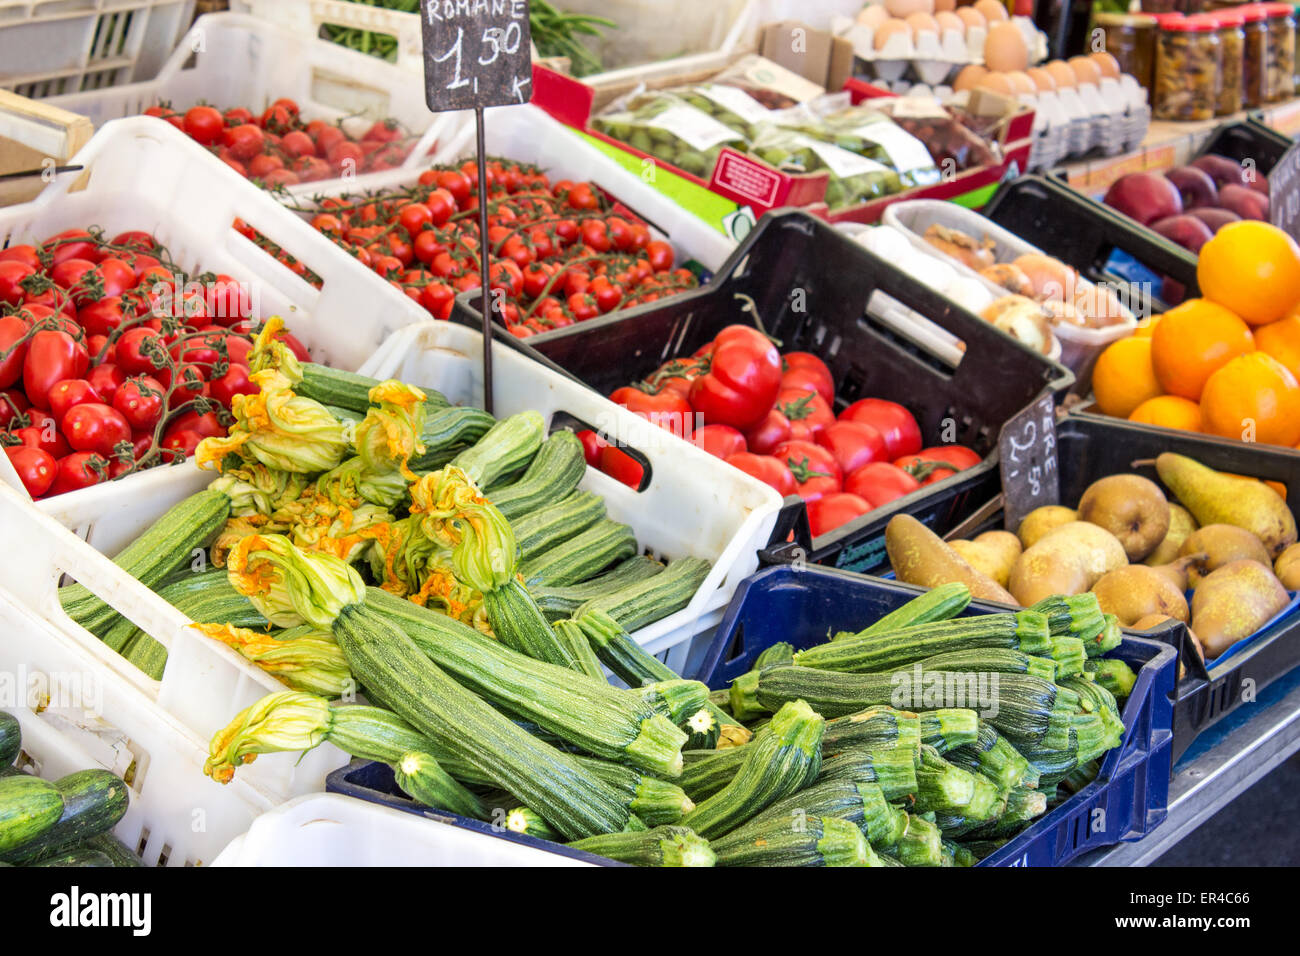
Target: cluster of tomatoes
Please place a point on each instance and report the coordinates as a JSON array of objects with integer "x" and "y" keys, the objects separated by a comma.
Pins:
[
  {"x": 560, "y": 252},
  {"x": 276, "y": 148},
  {"x": 772, "y": 416},
  {"x": 112, "y": 359}
]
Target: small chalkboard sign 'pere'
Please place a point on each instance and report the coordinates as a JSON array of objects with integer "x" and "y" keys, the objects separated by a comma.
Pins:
[{"x": 477, "y": 53}]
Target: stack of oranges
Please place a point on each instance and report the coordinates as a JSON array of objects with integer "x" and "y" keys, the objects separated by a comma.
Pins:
[{"x": 1226, "y": 364}]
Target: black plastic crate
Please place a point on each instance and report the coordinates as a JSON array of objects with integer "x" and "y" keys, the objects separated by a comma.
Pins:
[
  {"x": 807, "y": 285},
  {"x": 1248, "y": 139},
  {"x": 1102, "y": 243},
  {"x": 1092, "y": 447}
]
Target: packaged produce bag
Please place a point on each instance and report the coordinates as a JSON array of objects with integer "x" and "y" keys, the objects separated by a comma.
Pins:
[
  {"x": 670, "y": 129},
  {"x": 853, "y": 178}
]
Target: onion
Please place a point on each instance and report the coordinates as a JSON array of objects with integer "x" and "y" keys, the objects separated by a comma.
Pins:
[
  {"x": 971, "y": 252},
  {"x": 1010, "y": 277},
  {"x": 1051, "y": 278},
  {"x": 1023, "y": 319}
]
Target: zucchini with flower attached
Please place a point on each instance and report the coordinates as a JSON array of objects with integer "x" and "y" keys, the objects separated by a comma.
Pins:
[
  {"x": 787, "y": 759},
  {"x": 662, "y": 846},
  {"x": 325, "y": 592},
  {"x": 446, "y": 432},
  {"x": 303, "y": 658},
  {"x": 348, "y": 390}
]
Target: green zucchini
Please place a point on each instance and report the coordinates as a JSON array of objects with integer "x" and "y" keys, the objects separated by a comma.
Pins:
[
  {"x": 894, "y": 771},
  {"x": 520, "y": 625},
  {"x": 652, "y": 599},
  {"x": 874, "y": 728},
  {"x": 348, "y": 390},
  {"x": 654, "y": 801},
  {"x": 564, "y": 602},
  {"x": 961, "y": 856},
  {"x": 1111, "y": 636},
  {"x": 992, "y": 755},
  {"x": 949, "y": 727},
  {"x": 1080, "y": 777},
  {"x": 423, "y": 778},
  {"x": 1023, "y": 804},
  {"x": 944, "y": 787},
  {"x": 744, "y": 689},
  {"x": 991, "y": 660},
  {"x": 705, "y": 772},
  {"x": 538, "y": 531},
  {"x": 862, "y": 804},
  {"x": 1112, "y": 674},
  {"x": 816, "y": 841},
  {"x": 581, "y": 557},
  {"x": 921, "y": 843},
  {"x": 938, "y": 604},
  {"x": 785, "y": 760},
  {"x": 373, "y": 733},
  {"x": 80, "y": 857},
  {"x": 203, "y": 596},
  {"x": 114, "y": 849},
  {"x": 584, "y": 711},
  {"x": 345, "y": 415},
  {"x": 552, "y": 783},
  {"x": 1025, "y": 631},
  {"x": 28, "y": 807},
  {"x": 446, "y": 433},
  {"x": 156, "y": 553},
  {"x": 662, "y": 846},
  {"x": 93, "y": 803},
  {"x": 1069, "y": 656},
  {"x": 553, "y": 474},
  {"x": 1077, "y": 615},
  {"x": 11, "y": 739},
  {"x": 505, "y": 450},
  {"x": 575, "y": 642},
  {"x": 146, "y": 654},
  {"x": 531, "y": 823}
]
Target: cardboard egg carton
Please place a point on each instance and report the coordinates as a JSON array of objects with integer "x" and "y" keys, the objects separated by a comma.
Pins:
[{"x": 929, "y": 58}]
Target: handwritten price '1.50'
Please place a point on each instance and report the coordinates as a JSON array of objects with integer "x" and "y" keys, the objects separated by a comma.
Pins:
[{"x": 495, "y": 40}]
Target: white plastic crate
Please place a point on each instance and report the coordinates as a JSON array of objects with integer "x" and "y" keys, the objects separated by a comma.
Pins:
[
  {"x": 1079, "y": 347},
  {"x": 143, "y": 174},
  {"x": 90, "y": 717},
  {"x": 695, "y": 504},
  {"x": 228, "y": 60},
  {"x": 49, "y": 47},
  {"x": 332, "y": 830}
]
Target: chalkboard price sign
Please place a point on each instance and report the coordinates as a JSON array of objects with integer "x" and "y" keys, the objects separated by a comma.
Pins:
[
  {"x": 1027, "y": 449},
  {"x": 476, "y": 53},
  {"x": 1284, "y": 192}
]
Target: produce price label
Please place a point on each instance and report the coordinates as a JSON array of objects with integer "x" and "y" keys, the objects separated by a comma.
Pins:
[
  {"x": 1284, "y": 192},
  {"x": 476, "y": 53},
  {"x": 1027, "y": 450}
]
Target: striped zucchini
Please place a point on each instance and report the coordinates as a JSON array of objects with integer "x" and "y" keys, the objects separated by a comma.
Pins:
[
  {"x": 146, "y": 654},
  {"x": 1077, "y": 615},
  {"x": 167, "y": 544},
  {"x": 520, "y": 625},
  {"x": 959, "y": 854},
  {"x": 424, "y": 779},
  {"x": 505, "y": 450},
  {"x": 584, "y": 711},
  {"x": 80, "y": 857},
  {"x": 11, "y": 738},
  {"x": 553, "y": 474},
  {"x": 557, "y": 603},
  {"x": 947, "y": 788},
  {"x": 538, "y": 531},
  {"x": 862, "y": 804},
  {"x": 1112, "y": 674},
  {"x": 654, "y": 801},
  {"x": 575, "y": 642},
  {"x": 744, "y": 689},
  {"x": 446, "y": 433},
  {"x": 992, "y": 755},
  {"x": 1111, "y": 636},
  {"x": 93, "y": 803},
  {"x": 581, "y": 557},
  {"x": 705, "y": 772},
  {"x": 333, "y": 386},
  {"x": 114, "y": 849},
  {"x": 894, "y": 771},
  {"x": 652, "y": 599},
  {"x": 380, "y": 655},
  {"x": 991, "y": 660},
  {"x": 816, "y": 841},
  {"x": 29, "y": 806},
  {"x": 1024, "y": 630},
  {"x": 785, "y": 760},
  {"x": 1023, "y": 805},
  {"x": 662, "y": 846},
  {"x": 1069, "y": 656},
  {"x": 921, "y": 843},
  {"x": 205, "y": 596},
  {"x": 949, "y": 727},
  {"x": 524, "y": 820},
  {"x": 874, "y": 728},
  {"x": 938, "y": 604}
]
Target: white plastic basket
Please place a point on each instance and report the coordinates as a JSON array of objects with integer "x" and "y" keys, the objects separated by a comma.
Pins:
[
  {"x": 90, "y": 717},
  {"x": 1079, "y": 347},
  {"x": 331, "y": 830},
  {"x": 228, "y": 60},
  {"x": 48, "y": 47},
  {"x": 528, "y": 134},
  {"x": 695, "y": 504},
  {"x": 143, "y": 174}
]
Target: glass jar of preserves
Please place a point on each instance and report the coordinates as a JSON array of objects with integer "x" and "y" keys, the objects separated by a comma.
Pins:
[
  {"x": 1187, "y": 68},
  {"x": 1280, "y": 66},
  {"x": 1131, "y": 39},
  {"x": 1254, "y": 59},
  {"x": 1232, "y": 43}
]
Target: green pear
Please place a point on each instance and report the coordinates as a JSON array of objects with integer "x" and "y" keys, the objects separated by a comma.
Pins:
[{"x": 1215, "y": 498}]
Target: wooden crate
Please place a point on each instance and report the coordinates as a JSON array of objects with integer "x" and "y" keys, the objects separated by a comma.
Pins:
[{"x": 35, "y": 135}]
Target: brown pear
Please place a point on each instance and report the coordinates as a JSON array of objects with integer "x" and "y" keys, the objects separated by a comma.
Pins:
[
  {"x": 1136, "y": 591},
  {"x": 1217, "y": 498},
  {"x": 1069, "y": 560},
  {"x": 1177, "y": 571},
  {"x": 1287, "y": 568},
  {"x": 1181, "y": 524},
  {"x": 1221, "y": 543},
  {"x": 919, "y": 556},
  {"x": 993, "y": 553},
  {"x": 1043, "y": 521},
  {"x": 1130, "y": 507},
  {"x": 1233, "y": 602}
]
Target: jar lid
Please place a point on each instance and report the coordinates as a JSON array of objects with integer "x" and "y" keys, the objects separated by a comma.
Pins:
[
  {"x": 1278, "y": 9},
  {"x": 1228, "y": 18},
  {"x": 1126, "y": 19},
  {"x": 1198, "y": 23},
  {"x": 1253, "y": 12}
]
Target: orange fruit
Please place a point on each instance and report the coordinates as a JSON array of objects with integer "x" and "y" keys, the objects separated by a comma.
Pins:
[
  {"x": 1253, "y": 269},
  {"x": 1253, "y": 397},
  {"x": 1147, "y": 327},
  {"x": 1123, "y": 377},
  {"x": 1281, "y": 339},
  {"x": 1194, "y": 340},
  {"x": 1169, "y": 411}
]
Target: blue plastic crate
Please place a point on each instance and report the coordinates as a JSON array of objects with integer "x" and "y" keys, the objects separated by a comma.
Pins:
[{"x": 1128, "y": 799}]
